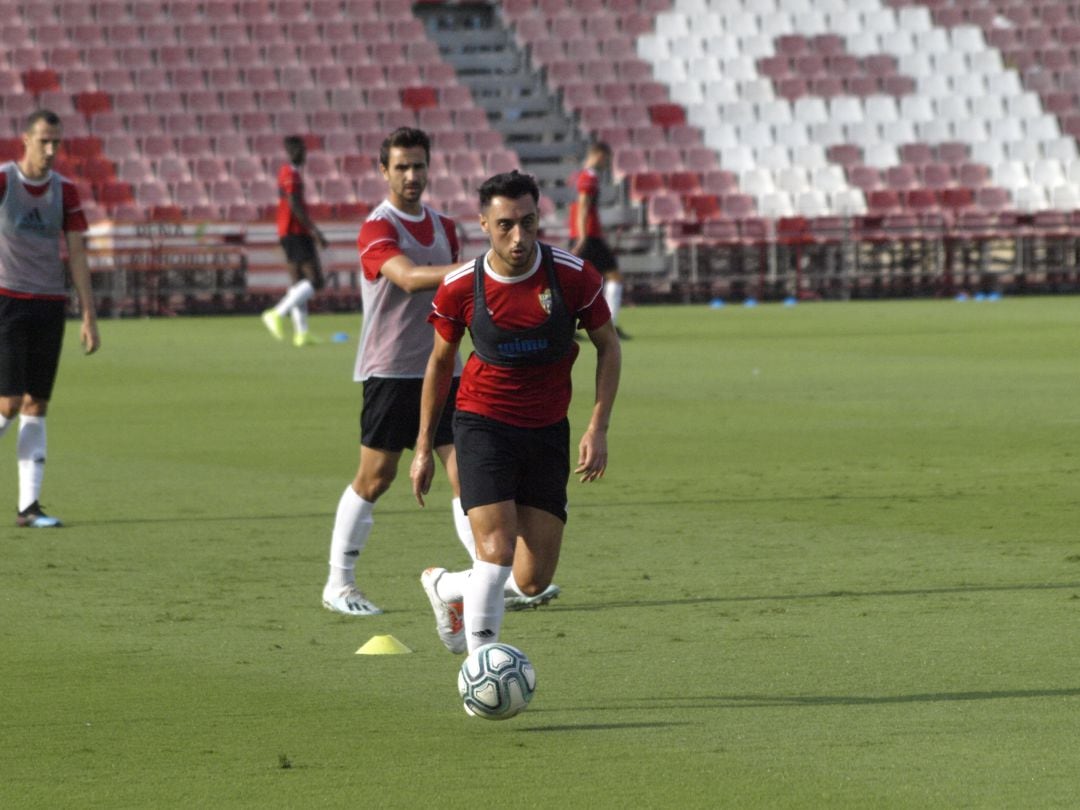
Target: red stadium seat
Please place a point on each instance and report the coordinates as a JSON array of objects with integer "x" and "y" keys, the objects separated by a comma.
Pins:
[
  {"x": 684, "y": 183},
  {"x": 417, "y": 98},
  {"x": 883, "y": 200},
  {"x": 92, "y": 103},
  {"x": 39, "y": 81},
  {"x": 703, "y": 207},
  {"x": 115, "y": 193},
  {"x": 667, "y": 115},
  {"x": 957, "y": 197},
  {"x": 645, "y": 184}
]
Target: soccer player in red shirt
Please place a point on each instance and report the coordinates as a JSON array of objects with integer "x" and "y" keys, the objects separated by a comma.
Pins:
[
  {"x": 38, "y": 207},
  {"x": 521, "y": 304},
  {"x": 298, "y": 235},
  {"x": 586, "y": 233}
]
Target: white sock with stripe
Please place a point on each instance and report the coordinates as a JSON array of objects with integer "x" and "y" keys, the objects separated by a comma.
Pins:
[
  {"x": 30, "y": 450},
  {"x": 352, "y": 525},
  {"x": 483, "y": 599}
]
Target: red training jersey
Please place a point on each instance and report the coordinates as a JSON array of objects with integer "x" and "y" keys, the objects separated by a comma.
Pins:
[
  {"x": 378, "y": 239},
  {"x": 529, "y": 396},
  {"x": 587, "y": 183},
  {"x": 290, "y": 182}
]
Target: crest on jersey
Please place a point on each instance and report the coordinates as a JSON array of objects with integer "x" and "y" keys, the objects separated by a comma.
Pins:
[{"x": 545, "y": 300}]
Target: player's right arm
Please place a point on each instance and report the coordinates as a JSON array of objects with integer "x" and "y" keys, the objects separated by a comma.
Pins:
[
  {"x": 414, "y": 277},
  {"x": 380, "y": 254},
  {"x": 437, "y": 380}
]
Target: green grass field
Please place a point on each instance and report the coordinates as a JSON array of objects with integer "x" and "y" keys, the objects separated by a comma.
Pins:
[{"x": 834, "y": 564}]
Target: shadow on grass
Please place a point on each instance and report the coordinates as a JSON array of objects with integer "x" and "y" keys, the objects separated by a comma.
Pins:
[
  {"x": 206, "y": 519},
  {"x": 599, "y": 726},
  {"x": 388, "y": 512},
  {"x": 712, "y": 600},
  {"x": 774, "y": 701}
]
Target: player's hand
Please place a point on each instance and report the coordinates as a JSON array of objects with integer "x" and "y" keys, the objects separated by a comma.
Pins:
[
  {"x": 592, "y": 456},
  {"x": 89, "y": 338},
  {"x": 422, "y": 471}
]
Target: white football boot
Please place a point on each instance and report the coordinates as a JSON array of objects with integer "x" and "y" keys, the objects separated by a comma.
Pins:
[
  {"x": 349, "y": 600},
  {"x": 448, "y": 615},
  {"x": 526, "y": 602}
]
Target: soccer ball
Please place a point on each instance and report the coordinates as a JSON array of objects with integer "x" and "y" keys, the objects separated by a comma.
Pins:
[{"x": 496, "y": 682}]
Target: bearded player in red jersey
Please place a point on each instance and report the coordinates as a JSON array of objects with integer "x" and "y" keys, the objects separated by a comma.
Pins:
[{"x": 521, "y": 304}]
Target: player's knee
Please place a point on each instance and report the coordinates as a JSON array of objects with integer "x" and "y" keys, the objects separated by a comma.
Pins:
[
  {"x": 371, "y": 486},
  {"x": 496, "y": 549}
]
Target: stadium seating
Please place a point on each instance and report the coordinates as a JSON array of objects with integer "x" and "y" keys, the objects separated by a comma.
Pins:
[
  {"x": 200, "y": 94},
  {"x": 717, "y": 109},
  {"x": 920, "y": 105}
]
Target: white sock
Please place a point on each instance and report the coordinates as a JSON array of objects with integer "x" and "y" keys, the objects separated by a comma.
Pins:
[
  {"x": 464, "y": 528},
  {"x": 451, "y": 585},
  {"x": 352, "y": 525},
  {"x": 299, "y": 318},
  {"x": 297, "y": 294},
  {"x": 4, "y": 424},
  {"x": 483, "y": 599},
  {"x": 613, "y": 296},
  {"x": 30, "y": 450}
]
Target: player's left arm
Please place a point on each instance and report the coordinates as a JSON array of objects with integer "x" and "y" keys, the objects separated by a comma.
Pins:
[
  {"x": 593, "y": 449},
  {"x": 80, "y": 278}
]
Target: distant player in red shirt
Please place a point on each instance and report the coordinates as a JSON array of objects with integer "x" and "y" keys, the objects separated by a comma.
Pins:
[
  {"x": 586, "y": 233},
  {"x": 521, "y": 304},
  {"x": 38, "y": 208},
  {"x": 298, "y": 235}
]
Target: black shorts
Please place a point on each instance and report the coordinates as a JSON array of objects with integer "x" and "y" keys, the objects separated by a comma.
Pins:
[
  {"x": 303, "y": 259},
  {"x": 597, "y": 253},
  {"x": 31, "y": 336},
  {"x": 500, "y": 462},
  {"x": 390, "y": 417}
]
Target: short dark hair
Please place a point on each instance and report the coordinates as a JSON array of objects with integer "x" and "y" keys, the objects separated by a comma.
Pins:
[
  {"x": 600, "y": 146},
  {"x": 48, "y": 116},
  {"x": 404, "y": 138},
  {"x": 294, "y": 147},
  {"x": 510, "y": 185}
]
